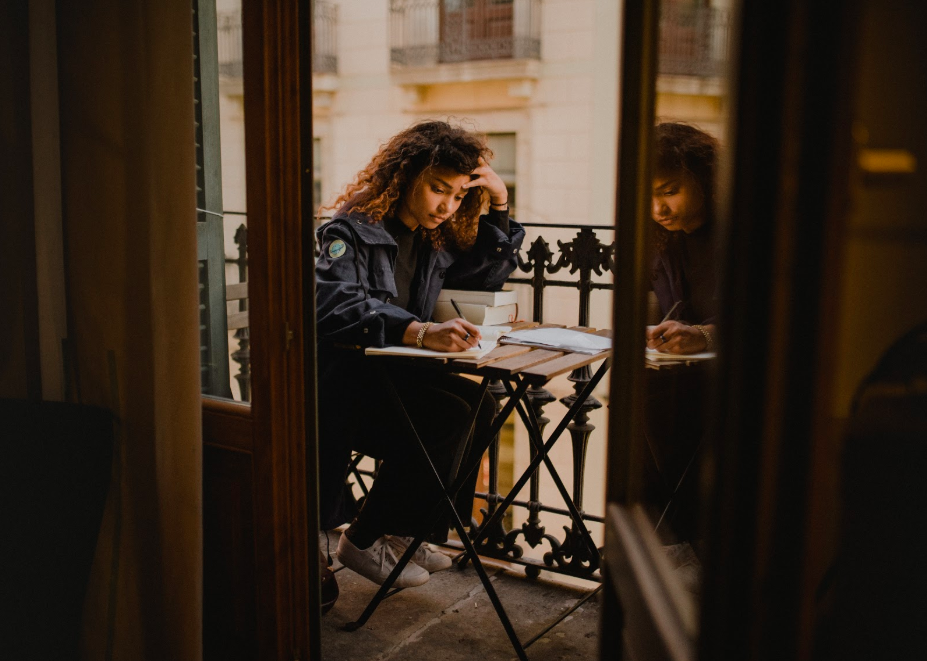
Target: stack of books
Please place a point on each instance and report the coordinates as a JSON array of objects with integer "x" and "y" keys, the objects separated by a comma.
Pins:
[{"x": 484, "y": 308}]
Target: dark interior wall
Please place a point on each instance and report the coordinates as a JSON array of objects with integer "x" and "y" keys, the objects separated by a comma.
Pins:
[
  {"x": 875, "y": 594},
  {"x": 885, "y": 274},
  {"x": 881, "y": 294},
  {"x": 19, "y": 358}
]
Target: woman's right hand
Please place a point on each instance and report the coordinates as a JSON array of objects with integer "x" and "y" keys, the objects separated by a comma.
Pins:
[{"x": 454, "y": 335}]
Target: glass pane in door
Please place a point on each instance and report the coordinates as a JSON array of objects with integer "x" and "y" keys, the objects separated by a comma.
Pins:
[{"x": 221, "y": 204}]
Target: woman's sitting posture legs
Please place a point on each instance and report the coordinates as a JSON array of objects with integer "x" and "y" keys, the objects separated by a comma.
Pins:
[{"x": 405, "y": 499}]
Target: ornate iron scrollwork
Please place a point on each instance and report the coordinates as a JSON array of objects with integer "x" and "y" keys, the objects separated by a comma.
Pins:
[
  {"x": 242, "y": 355},
  {"x": 586, "y": 256}
]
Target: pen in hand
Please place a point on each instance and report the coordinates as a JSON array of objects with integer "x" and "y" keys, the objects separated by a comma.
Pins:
[
  {"x": 668, "y": 314},
  {"x": 460, "y": 314}
]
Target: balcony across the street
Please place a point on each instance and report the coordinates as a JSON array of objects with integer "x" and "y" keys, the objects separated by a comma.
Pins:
[
  {"x": 693, "y": 40},
  {"x": 324, "y": 43},
  {"x": 430, "y": 32}
]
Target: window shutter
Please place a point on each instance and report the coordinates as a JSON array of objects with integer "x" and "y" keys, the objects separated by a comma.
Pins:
[{"x": 214, "y": 351}]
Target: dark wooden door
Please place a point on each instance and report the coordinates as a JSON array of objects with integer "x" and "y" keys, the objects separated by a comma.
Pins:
[{"x": 258, "y": 583}]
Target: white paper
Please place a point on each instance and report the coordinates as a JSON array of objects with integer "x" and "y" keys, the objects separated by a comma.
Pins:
[
  {"x": 559, "y": 338},
  {"x": 492, "y": 333},
  {"x": 415, "y": 352}
]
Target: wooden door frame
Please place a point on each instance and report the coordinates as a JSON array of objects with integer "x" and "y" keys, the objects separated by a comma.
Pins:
[
  {"x": 278, "y": 428},
  {"x": 274, "y": 45},
  {"x": 624, "y": 580},
  {"x": 637, "y": 85}
]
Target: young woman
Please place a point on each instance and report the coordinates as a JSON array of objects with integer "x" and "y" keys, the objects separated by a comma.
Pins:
[
  {"x": 408, "y": 225},
  {"x": 684, "y": 275}
]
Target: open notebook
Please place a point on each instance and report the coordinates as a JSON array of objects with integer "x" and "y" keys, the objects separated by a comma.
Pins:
[{"x": 490, "y": 334}]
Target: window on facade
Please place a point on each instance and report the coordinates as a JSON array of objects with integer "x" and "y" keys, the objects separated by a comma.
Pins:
[
  {"x": 476, "y": 30},
  {"x": 503, "y": 148}
]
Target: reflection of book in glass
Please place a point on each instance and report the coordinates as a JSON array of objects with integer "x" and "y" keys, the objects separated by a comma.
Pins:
[
  {"x": 485, "y": 315},
  {"x": 490, "y": 298},
  {"x": 655, "y": 354}
]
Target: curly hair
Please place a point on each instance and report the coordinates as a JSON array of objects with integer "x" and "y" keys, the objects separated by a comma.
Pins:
[
  {"x": 378, "y": 190},
  {"x": 683, "y": 148}
]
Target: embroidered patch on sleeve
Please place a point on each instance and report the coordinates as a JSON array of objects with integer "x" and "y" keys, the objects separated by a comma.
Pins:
[{"x": 336, "y": 249}]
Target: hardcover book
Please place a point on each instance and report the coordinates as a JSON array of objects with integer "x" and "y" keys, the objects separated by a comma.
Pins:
[
  {"x": 492, "y": 298},
  {"x": 482, "y": 315}
]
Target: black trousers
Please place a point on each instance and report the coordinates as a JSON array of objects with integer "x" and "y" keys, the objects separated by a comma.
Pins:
[{"x": 405, "y": 498}]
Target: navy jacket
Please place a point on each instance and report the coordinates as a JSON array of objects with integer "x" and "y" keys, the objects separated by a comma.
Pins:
[{"x": 355, "y": 276}]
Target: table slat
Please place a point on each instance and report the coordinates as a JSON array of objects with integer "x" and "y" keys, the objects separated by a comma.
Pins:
[
  {"x": 521, "y": 362},
  {"x": 236, "y": 292},
  {"x": 238, "y": 320},
  {"x": 566, "y": 363},
  {"x": 501, "y": 352}
]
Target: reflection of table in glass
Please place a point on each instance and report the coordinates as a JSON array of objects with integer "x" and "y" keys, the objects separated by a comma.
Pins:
[{"x": 675, "y": 405}]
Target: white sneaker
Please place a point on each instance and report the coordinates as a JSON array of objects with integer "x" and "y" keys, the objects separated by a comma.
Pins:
[
  {"x": 377, "y": 562},
  {"x": 425, "y": 556}
]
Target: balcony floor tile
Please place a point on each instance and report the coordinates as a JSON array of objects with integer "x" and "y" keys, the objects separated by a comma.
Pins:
[{"x": 451, "y": 618}]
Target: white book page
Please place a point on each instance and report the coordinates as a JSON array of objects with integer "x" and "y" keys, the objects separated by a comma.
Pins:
[
  {"x": 489, "y": 335},
  {"x": 559, "y": 338},
  {"x": 415, "y": 352}
]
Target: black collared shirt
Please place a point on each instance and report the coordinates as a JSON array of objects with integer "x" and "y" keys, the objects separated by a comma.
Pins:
[{"x": 410, "y": 244}]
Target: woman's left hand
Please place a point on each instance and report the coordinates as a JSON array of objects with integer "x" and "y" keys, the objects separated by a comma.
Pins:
[
  {"x": 675, "y": 337},
  {"x": 486, "y": 177}
]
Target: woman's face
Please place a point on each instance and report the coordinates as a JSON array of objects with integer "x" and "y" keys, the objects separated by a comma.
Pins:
[
  {"x": 435, "y": 197},
  {"x": 678, "y": 202}
]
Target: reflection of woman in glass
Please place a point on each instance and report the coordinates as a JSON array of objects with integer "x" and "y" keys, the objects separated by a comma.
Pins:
[
  {"x": 684, "y": 276},
  {"x": 684, "y": 280},
  {"x": 408, "y": 225}
]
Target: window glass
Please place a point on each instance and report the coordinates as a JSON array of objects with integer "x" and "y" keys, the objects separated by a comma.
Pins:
[
  {"x": 684, "y": 271},
  {"x": 221, "y": 202}
]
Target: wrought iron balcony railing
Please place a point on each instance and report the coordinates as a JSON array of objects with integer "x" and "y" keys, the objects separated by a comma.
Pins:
[
  {"x": 585, "y": 264},
  {"x": 324, "y": 45},
  {"x": 238, "y": 319},
  {"x": 694, "y": 40},
  {"x": 430, "y": 32}
]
